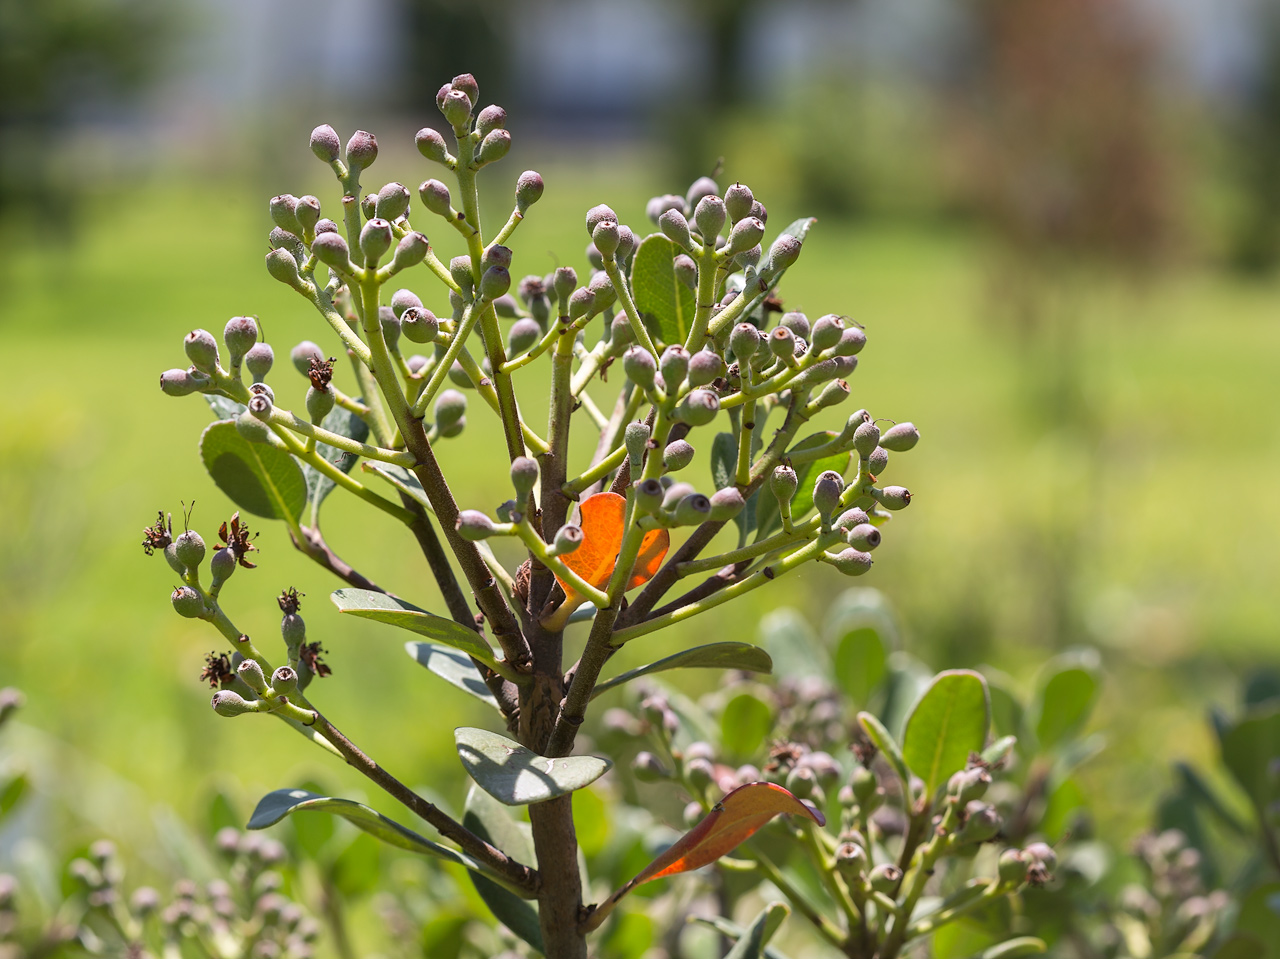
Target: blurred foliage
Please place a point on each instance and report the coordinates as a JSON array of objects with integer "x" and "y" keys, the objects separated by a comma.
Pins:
[{"x": 1254, "y": 144}]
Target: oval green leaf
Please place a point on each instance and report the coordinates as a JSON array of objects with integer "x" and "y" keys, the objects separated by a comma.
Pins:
[
  {"x": 491, "y": 822},
  {"x": 1248, "y": 750},
  {"x": 948, "y": 723},
  {"x": 667, "y": 303},
  {"x": 453, "y": 666},
  {"x": 517, "y": 776},
  {"x": 744, "y": 724},
  {"x": 344, "y": 423},
  {"x": 887, "y": 745},
  {"x": 742, "y": 656},
  {"x": 259, "y": 478},
  {"x": 860, "y": 663},
  {"x": 751, "y": 944},
  {"x": 381, "y": 608},
  {"x": 1065, "y": 696}
]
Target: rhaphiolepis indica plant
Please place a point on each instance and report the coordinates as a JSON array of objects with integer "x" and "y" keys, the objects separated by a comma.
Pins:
[{"x": 687, "y": 313}]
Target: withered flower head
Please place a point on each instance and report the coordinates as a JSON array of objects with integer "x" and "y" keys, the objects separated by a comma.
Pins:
[
  {"x": 158, "y": 536},
  {"x": 238, "y": 539},
  {"x": 321, "y": 373},
  {"x": 310, "y": 654},
  {"x": 784, "y": 755},
  {"x": 217, "y": 670},
  {"x": 290, "y": 601}
]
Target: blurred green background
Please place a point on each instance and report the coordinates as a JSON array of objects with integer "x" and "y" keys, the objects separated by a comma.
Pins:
[{"x": 1059, "y": 224}]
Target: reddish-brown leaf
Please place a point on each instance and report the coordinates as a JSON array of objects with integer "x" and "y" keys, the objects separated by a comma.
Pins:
[{"x": 601, "y": 522}]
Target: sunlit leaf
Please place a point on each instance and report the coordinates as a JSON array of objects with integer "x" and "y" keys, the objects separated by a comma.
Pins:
[
  {"x": 948, "y": 723},
  {"x": 517, "y": 776},
  {"x": 712, "y": 656},
  {"x": 744, "y": 724},
  {"x": 601, "y": 522},
  {"x": 381, "y": 608},
  {"x": 453, "y": 666},
  {"x": 258, "y": 477},
  {"x": 344, "y": 423},
  {"x": 667, "y": 303}
]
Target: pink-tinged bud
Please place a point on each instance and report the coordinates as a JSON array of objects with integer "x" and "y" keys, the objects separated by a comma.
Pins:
[
  {"x": 639, "y": 366},
  {"x": 362, "y": 150},
  {"x": 738, "y": 201},
  {"x": 864, "y": 537},
  {"x": 832, "y": 394},
  {"x": 228, "y": 703},
  {"x": 435, "y": 197},
  {"x": 419, "y": 324},
  {"x": 659, "y": 205},
  {"x": 744, "y": 340},
  {"x": 900, "y": 438},
  {"x": 302, "y": 355},
  {"x": 782, "y": 343},
  {"x": 563, "y": 282},
  {"x": 704, "y": 367},
  {"x": 797, "y": 323},
  {"x": 647, "y": 768},
  {"x": 466, "y": 84},
  {"x": 598, "y": 214},
  {"x": 826, "y": 493},
  {"x": 674, "y": 364},
  {"x": 892, "y": 497},
  {"x": 852, "y": 340},
  {"x": 390, "y": 327},
  {"x": 326, "y": 226},
  {"x": 726, "y": 504},
  {"x": 581, "y": 303},
  {"x": 686, "y": 270},
  {"x": 491, "y": 118},
  {"x": 283, "y": 267},
  {"x": 368, "y": 205},
  {"x": 784, "y": 251},
  {"x": 456, "y": 109},
  {"x": 283, "y": 215},
  {"x": 392, "y": 202},
  {"x": 495, "y": 282},
  {"x": 698, "y": 408},
  {"x": 877, "y": 461},
  {"x": 865, "y": 439},
  {"x": 850, "y": 561},
  {"x": 431, "y": 145},
  {"x": 677, "y": 455},
  {"x": 375, "y": 240},
  {"x": 258, "y": 361},
  {"x": 410, "y": 251},
  {"x": 709, "y": 215},
  {"x": 325, "y": 143},
  {"x": 331, "y": 250},
  {"x": 703, "y": 186},
  {"x": 494, "y": 147},
  {"x": 759, "y": 212},
  {"x": 826, "y": 332},
  {"x": 523, "y": 336},
  {"x": 307, "y": 212},
  {"x": 529, "y": 187},
  {"x": 627, "y": 243},
  {"x": 474, "y": 525},
  {"x": 851, "y": 518},
  {"x": 676, "y": 229},
  {"x": 450, "y": 409},
  {"x": 744, "y": 235},
  {"x": 202, "y": 350},
  {"x": 181, "y": 382}
]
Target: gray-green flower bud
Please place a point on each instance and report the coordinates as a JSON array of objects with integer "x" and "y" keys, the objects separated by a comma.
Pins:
[
  {"x": 240, "y": 333},
  {"x": 450, "y": 408},
  {"x": 737, "y": 201},
  {"x": 225, "y": 702},
  {"x": 302, "y": 355},
  {"x": 659, "y": 205},
  {"x": 892, "y": 497},
  {"x": 638, "y": 364},
  {"x": 686, "y": 270},
  {"x": 581, "y": 303},
  {"x": 627, "y": 243},
  {"x": 253, "y": 429},
  {"x": 863, "y": 782},
  {"x": 390, "y": 324},
  {"x": 785, "y": 249},
  {"x": 982, "y": 822},
  {"x": 202, "y": 350},
  {"x": 495, "y": 145},
  {"x": 801, "y": 782},
  {"x": 284, "y": 680},
  {"x": 457, "y": 108},
  {"x": 259, "y": 360},
  {"x": 410, "y": 251},
  {"x": 969, "y": 784},
  {"x": 851, "y": 562},
  {"x": 620, "y": 334},
  {"x": 325, "y": 143},
  {"x": 782, "y": 343},
  {"x": 709, "y": 216},
  {"x": 251, "y": 673},
  {"x": 677, "y": 455},
  {"x": 833, "y": 394},
  {"x": 826, "y": 332},
  {"x": 319, "y": 404},
  {"x": 647, "y": 768},
  {"x": 783, "y": 483},
  {"x": 189, "y": 549},
  {"x": 474, "y": 525},
  {"x": 726, "y": 504},
  {"x": 865, "y": 439},
  {"x": 676, "y": 229},
  {"x": 744, "y": 340},
  {"x": 495, "y": 282},
  {"x": 851, "y": 860},
  {"x": 877, "y": 461},
  {"x": 563, "y": 282},
  {"x": 605, "y": 237},
  {"x": 636, "y": 438},
  {"x": 704, "y": 367},
  {"x": 863, "y": 537},
  {"x": 567, "y": 539},
  {"x": 260, "y": 406},
  {"x": 852, "y": 340},
  {"x": 744, "y": 235},
  {"x": 524, "y": 474},
  {"x": 529, "y": 187},
  {"x": 375, "y": 240},
  {"x": 826, "y": 493},
  {"x": 900, "y": 438},
  {"x": 524, "y": 335},
  {"x": 796, "y": 322},
  {"x": 597, "y": 215},
  {"x": 673, "y": 494},
  {"x": 283, "y": 267},
  {"x": 435, "y": 197},
  {"x": 283, "y": 212},
  {"x": 178, "y": 382},
  {"x": 187, "y": 602},
  {"x": 222, "y": 565},
  {"x": 700, "y": 773},
  {"x": 368, "y": 204},
  {"x": 884, "y": 877},
  {"x": 419, "y": 324},
  {"x": 649, "y": 496},
  {"x": 392, "y": 202},
  {"x": 431, "y": 145},
  {"x": 698, "y": 408},
  {"x": 362, "y": 150},
  {"x": 332, "y": 250},
  {"x": 692, "y": 510},
  {"x": 703, "y": 186},
  {"x": 674, "y": 364}
]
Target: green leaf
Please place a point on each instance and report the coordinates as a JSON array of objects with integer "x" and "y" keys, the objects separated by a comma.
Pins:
[
  {"x": 1241, "y": 945},
  {"x": 712, "y": 656},
  {"x": 274, "y": 806},
  {"x": 733, "y": 931},
  {"x": 1065, "y": 695},
  {"x": 259, "y": 478},
  {"x": 224, "y": 407},
  {"x": 1260, "y": 916},
  {"x": 1014, "y": 948},
  {"x": 358, "y": 867},
  {"x": 399, "y": 477},
  {"x": 860, "y": 663},
  {"x": 724, "y": 461},
  {"x": 11, "y": 794},
  {"x": 887, "y": 745},
  {"x": 381, "y": 608},
  {"x": 768, "y": 518},
  {"x": 744, "y": 724},
  {"x": 668, "y": 304},
  {"x": 948, "y": 723},
  {"x": 1197, "y": 789},
  {"x": 752, "y": 943},
  {"x": 861, "y": 606},
  {"x": 1249, "y": 748},
  {"x": 344, "y": 423},
  {"x": 517, "y": 776},
  {"x": 793, "y": 645},
  {"x": 453, "y": 666},
  {"x": 492, "y": 823}
]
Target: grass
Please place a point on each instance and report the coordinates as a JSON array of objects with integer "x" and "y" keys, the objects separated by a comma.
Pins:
[{"x": 1144, "y": 522}]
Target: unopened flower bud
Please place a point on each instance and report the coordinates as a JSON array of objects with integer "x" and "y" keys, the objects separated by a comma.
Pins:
[
  {"x": 187, "y": 602},
  {"x": 283, "y": 267},
  {"x": 260, "y": 407},
  {"x": 474, "y": 525},
  {"x": 494, "y": 147},
  {"x": 639, "y": 366},
  {"x": 826, "y": 493},
  {"x": 410, "y": 251},
  {"x": 597, "y": 215},
  {"x": 627, "y": 243},
  {"x": 605, "y": 236},
  {"x": 726, "y": 504},
  {"x": 863, "y": 537},
  {"x": 431, "y": 145},
  {"x": 833, "y": 394},
  {"x": 744, "y": 235},
  {"x": 325, "y": 143},
  {"x": 673, "y": 494},
  {"x": 222, "y": 565},
  {"x": 636, "y": 438},
  {"x": 202, "y": 350},
  {"x": 253, "y": 429},
  {"x": 704, "y": 367},
  {"x": 466, "y": 84},
  {"x": 189, "y": 548},
  {"x": 674, "y": 364},
  {"x": 419, "y": 324},
  {"x": 450, "y": 408},
  {"x": 284, "y": 680},
  {"x": 251, "y": 673},
  {"x": 529, "y": 187},
  {"x": 709, "y": 216},
  {"x": 1041, "y": 852},
  {"x": 677, "y": 455},
  {"x": 900, "y": 438},
  {"x": 581, "y": 303},
  {"x": 1012, "y": 867},
  {"x": 331, "y": 250},
  {"x": 892, "y": 497},
  {"x": 368, "y": 204},
  {"x": 178, "y": 382},
  {"x": 737, "y": 202},
  {"x": 525, "y": 333},
  {"x": 302, "y": 355},
  {"x": 375, "y": 239},
  {"x": 784, "y": 251},
  {"x": 620, "y": 334},
  {"x": 259, "y": 360},
  {"x": 703, "y": 186},
  {"x": 700, "y": 773},
  {"x": 884, "y": 877},
  {"x": 435, "y": 197},
  {"x": 851, "y": 562},
  {"x": 981, "y": 822},
  {"x": 878, "y": 460},
  {"x": 969, "y": 784},
  {"x": 851, "y": 860},
  {"x": 319, "y": 404},
  {"x": 225, "y": 702},
  {"x": 457, "y": 109},
  {"x": 495, "y": 282},
  {"x": 649, "y": 496},
  {"x": 782, "y": 343},
  {"x": 783, "y": 483},
  {"x": 852, "y": 340},
  {"x": 698, "y": 408},
  {"x": 686, "y": 270},
  {"x": 865, "y": 438},
  {"x": 647, "y": 768},
  {"x": 797, "y": 323},
  {"x": 326, "y": 226},
  {"x": 693, "y": 510},
  {"x": 676, "y": 228},
  {"x": 567, "y": 539},
  {"x": 801, "y": 782},
  {"x": 362, "y": 150},
  {"x": 563, "y": 282},
  {"x": 492, "y": 117},
  {"x": 524, "y": 474},
  {"x": 826, "y": 332},
  {"x": 744, "y": 340}
]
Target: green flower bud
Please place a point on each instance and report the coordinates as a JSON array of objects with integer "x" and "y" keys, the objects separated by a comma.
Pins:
[
  {"x": 581, "y": 303},
  {"x": 325, "y": 143},
  {"x": 782, "y": 343},
  {"x": 744, "y": 340},
  {"x": 605, "y": 237},
  {"x": 686, "y": 270},
  {"x": 331, "y": 250},
  {"x": 495, "y": 282},
  {"x": 202, "y": 350},
  {"x": 865, "y": 438},
  {"x": 260, "y": 406},
  {"x": 796, "y": 322},
  {"x": 638, "y": 364},
  {"x": 704, "y": 367},
  {"x": 863, "y": 537},
  {"x": 649, "y": 496},
  {"x": 981, "y": 822},
  {"x": 228, "y": 703},
  {"x": 326, "y": 226},
  {"x": 738, "y": 201},
  {"x": 567, "y": 539},
  {"x": 307, "y": 212},
  {"x": 1042, "y": 853},
  {"x": 877, "y": 461},
  {"x": 319, "y": 404},
  {"x": 251, "y": 673},
  {"x": 302, "y": 355},
  {"x": 431, "y": 145},
  {"x": 283, "y": 267},
  {"x": 187, "y": 602},
  {"x": 833, "y": 394},
  {"x": 676, "y": 229},
  {"x": 594, "y": 257},
  {"x": 627, "y": 243},
  {"x": 726, "y": 504},
  {"x": 892, "y": 497},
  {"x": 529, "y": 187},
  {"x": 851, "y": 518},
  {"x": 283, "y": 212},
  {"x": 703, "y": 186},
  {"x": 390, "y": 324},
  {"x": 435, "y": 197},
  {"x": 171, "y": 558},
  {"x": 189, "y": 549},
  {"x": 801, "y": 782},
  {"x": 419, "y": 324},
  {"x": 826, "y": 493},
  {"x": 375, "y": 240},
  {"x": 222, "y": 565},
  {"x": 524, "y": 474},
  {"x": 563, "y": 282},
  {"x": 620, "y": 334},
  {"x": 636, "y": 437},
  {"x": 253, "y": 429},
  {"x": 597, "y": 215},
  {"x": 852, "y": 340},
  {"x": 1012, "y": 867},
  {"x": 673, "y": 493},
  {"x": 601, "y": 288},
  {"x": 674, "y": 364},
  {"x": 647, "y": 768},
  {"x": 851, "y": 860},
  {"x": 523, "y": 336},
  {"x": 392, "y": 202},
  {"x": 784, "y": 251},
  {"x": 450, "y": 408},
  {"x": 864, "y": 784},
  {"x": 362, "y": 150},
  {"x": 900, "y": 438},
  {"x": 494, "y": 147},
  {"x": 454, "y": 429},
  {"x": 700, "y": 773},
  {"x": 826, "y": 332},
  {"x": 783, "y": 483},
  {"x": 410, "y": 251},
  {"x": 709, "y": 216},
  {"x": 474, "y": 525},
  {"x": 677, "y": 455},
  {"x": 698, "y": 408},
  {"x": 466, "y": 84},
  {"x": 284, "y": 680},
  {"x": 259, "y": 360},
  {"x": 969, "y": 784},
  {"x": 457, "y": 109},
  {"x": 851, "y": 562},
  {"x": 885, "y": 878},
  {"x": 181, "y": 382},
  {"x": 744, "y": 235}
]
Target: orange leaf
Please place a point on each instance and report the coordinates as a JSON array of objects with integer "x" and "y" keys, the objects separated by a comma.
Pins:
[
  {"x": 601, "y": 521},
  {"x": 731, "y": 821}
]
